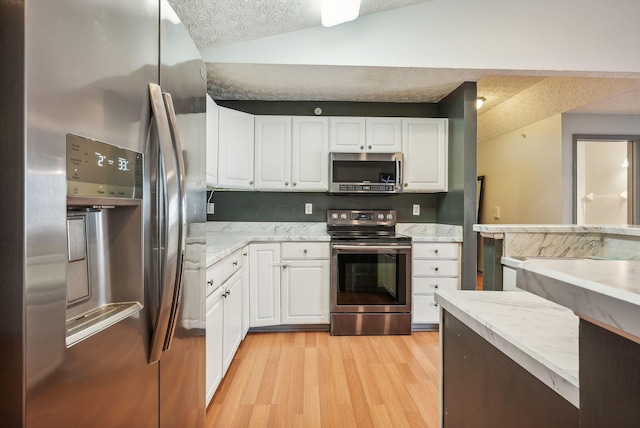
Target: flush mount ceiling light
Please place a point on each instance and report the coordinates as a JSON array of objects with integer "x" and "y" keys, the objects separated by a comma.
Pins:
[
  {"x": 479, "y": 102},
  {"x": 336, "y": 12}
]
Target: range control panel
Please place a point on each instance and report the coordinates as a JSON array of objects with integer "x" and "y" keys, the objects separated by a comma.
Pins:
[{"x": 361, "y": 217}]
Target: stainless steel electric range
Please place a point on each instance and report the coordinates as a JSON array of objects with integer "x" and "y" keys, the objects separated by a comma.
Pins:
[{"x": 370, "y": 273}]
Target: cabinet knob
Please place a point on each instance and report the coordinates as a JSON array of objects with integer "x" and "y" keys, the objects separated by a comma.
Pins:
[
  {"x": 435, "y": 304},
  {"x": 227, "y": 293},
  {"x": 436, "y": 268},
  {"x": 406, "y": 184},
  {"x": 369, "y": 147},
  {"x": 435, "y": 286},
  {"x": 235, "y": 263},
  {"x": 435, "y": 251},
  {"x": 251, "y": 182},
  {"x": 361, "y": 147},
  {"x": 305, "y": 251},
  {"x": 286, "y": 183},
  {"x": 294, "y": 183},
  {"x": 210, "y": 282},
  {"x": 284, "y": 266}
]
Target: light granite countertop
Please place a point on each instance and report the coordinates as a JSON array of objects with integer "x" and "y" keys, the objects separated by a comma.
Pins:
[
  {"x": 539, "y": 335},
  {"x": 223, "y": 238},
  {"x": 610, "y": 229},
  {"x": 605, "y": 292}
]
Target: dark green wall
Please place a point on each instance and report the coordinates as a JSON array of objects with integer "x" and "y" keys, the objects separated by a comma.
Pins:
[
  {"x": 276, "y": 206},
  {"x": 458, "y": 205}
]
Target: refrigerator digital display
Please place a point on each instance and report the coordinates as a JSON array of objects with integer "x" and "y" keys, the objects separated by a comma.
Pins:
[{"x": 97, "y": 169}]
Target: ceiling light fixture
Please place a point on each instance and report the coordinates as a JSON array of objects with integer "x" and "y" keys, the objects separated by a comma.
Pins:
[
  {"x": 336, "y": 12},
  {"x": 479, "y": 102}
]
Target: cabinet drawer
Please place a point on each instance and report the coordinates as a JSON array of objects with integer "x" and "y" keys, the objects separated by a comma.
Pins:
[
  {"x": 436, "y": 250},
  {"x": 231, "y": 264},
  {"x": 424, "y": 310},
  {"x": 305, "y": 250},
  {"x": 436, "y": 268},
  {"x": 427, "y": 285},
  {"x": 214, "y": 277}
]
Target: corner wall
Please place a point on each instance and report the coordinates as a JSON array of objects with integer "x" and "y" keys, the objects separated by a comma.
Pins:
[{"x": 458, "y": 205}]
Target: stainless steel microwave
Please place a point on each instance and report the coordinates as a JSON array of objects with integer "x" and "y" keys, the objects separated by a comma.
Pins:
[{"x": 377, "y": 173}]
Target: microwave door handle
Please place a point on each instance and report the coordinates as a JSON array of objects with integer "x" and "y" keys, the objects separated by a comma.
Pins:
[
  {"x": 398, "y": 178},
  {"x": 182, "y": 219},
  {"x": 168, "y": 173}
]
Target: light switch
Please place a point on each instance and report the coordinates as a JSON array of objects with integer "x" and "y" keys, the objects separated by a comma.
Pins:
[
  {"x": 496, "y": 213},
  {"x": 308, "y": 208},
  {"x": 416, "y": 209},
  {"x": 211, "y": 209}
]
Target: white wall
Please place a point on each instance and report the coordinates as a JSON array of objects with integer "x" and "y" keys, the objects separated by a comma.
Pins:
[
  {"x": 523, "y": 174},
  {"x": 588, "y": 124},
  {"x": 585, "y": 35}
]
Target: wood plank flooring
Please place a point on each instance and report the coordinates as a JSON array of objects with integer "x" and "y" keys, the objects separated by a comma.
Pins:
[{"x": 312, "y": 379}]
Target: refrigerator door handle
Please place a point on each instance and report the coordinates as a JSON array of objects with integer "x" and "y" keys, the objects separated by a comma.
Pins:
[
  {"x": 171, "y": 240},
  {"x": 182, "y": 220}
]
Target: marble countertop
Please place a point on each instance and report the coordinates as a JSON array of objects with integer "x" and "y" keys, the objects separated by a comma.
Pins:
[
  {"x": 223, "y": 238},
  {"x": 612, "y": 229},
  {"x": 539, "y": 335},
  {"x": 605, "y": 292}
]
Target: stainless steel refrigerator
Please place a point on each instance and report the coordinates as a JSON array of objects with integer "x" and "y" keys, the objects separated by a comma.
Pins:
[{"x": 102, "y": 215}]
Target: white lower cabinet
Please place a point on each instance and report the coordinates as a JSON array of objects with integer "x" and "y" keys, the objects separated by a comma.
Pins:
[
  {"x": 435, "y": 266},
  {"x": 224, "y": 317},
  {"x": 305, "y": 292},
  {"x": 289, "y": 283},
  {"x": 264, "y": 285},
  {"x": 232, "y": 322},
  {"x": 213, "y": 347}
]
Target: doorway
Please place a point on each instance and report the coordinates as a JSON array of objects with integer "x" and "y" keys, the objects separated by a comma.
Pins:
[{"x": 605, "y": 180}]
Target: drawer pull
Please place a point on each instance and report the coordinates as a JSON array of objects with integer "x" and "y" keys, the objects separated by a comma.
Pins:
[
  {"x": 235, "y": 263},
  {"x": 436, "y": 305},
  {"x": 435, "y": 286},
  {"x": 436, "y": 268},
  {"x": 305, "y": 251},
  {"x": 435, "y": 251},
  {"x": 210, "y": 282}
]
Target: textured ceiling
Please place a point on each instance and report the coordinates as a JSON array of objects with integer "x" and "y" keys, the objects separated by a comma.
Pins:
[
  {"x": 514, "y": 98},
  {"x": 214, "y": 23}
]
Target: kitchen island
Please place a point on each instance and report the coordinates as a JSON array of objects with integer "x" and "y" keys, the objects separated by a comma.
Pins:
[{"x": 490, "y": 366}]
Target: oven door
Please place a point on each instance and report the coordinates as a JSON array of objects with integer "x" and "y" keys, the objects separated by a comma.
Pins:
[{"x": 370, "y": 278}]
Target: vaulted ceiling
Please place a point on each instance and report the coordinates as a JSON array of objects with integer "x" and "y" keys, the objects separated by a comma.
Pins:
[{"x": 514, "y": 98}]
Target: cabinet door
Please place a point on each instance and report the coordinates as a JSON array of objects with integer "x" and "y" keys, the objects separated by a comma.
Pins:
[
  {"x": 232, "y": 324},
  {"x": 272, "y": 153},
  {"x": 245, "y": 291},
  {"x": 310, "y": 154},
  {"x": 347, "y": 134},
  {"x": 213, "y": 347},
  {"x": 384, "y": 134},
  {"x": 305, "y": 292},
  {"x": 235, "y": 162},
  {"x": 424, "y": 147},
  {"x": 264, "y": 284},
  {"x": 212, "y": 142}
]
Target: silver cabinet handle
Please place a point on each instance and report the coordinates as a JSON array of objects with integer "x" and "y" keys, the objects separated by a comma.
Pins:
[{"x": 244, "y": 254}]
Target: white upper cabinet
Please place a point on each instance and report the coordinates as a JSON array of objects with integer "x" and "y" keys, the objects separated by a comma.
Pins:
[
  {"x": 425, "y": 151},
  {"x": 310, "y": 154},
  {"x": 384, "y": 134},
  {"x": 212, "y": 142},
  {"x": 370, "y": 134},
  {"x": 272, "y": 153},
  {"x": 236, "y": 136},
  {"x": 347, "y": 134}
]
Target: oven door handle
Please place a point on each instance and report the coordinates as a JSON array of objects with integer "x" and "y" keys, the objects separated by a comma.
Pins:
[{"x": 370, "y": 247}]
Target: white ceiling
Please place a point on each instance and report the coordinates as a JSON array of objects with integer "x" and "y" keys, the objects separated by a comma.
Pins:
[{"x": 514, "y": 98}]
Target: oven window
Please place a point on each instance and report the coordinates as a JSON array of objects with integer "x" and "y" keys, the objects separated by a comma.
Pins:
[{"x": 371, "y": 279}]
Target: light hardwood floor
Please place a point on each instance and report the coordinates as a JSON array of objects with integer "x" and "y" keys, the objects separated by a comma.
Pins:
[{"x": 312, "y": 379}]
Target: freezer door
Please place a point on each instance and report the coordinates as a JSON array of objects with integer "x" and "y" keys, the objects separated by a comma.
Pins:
[{"x": 87, "y": 68}]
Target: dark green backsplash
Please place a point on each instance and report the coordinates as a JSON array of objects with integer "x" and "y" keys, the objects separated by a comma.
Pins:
[{"x": 280, "y": 206}]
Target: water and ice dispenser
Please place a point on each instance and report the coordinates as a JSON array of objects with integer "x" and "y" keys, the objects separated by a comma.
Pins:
[{"x": 105, "y": 269}]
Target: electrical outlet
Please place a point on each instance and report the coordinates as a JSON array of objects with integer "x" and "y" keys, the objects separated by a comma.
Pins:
[
  {"x": 416, "y": 209},
  {"x": 308, "y": 208},
  {"x": 211, "y": 208},
  {"x": 496, "y": 213}
]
